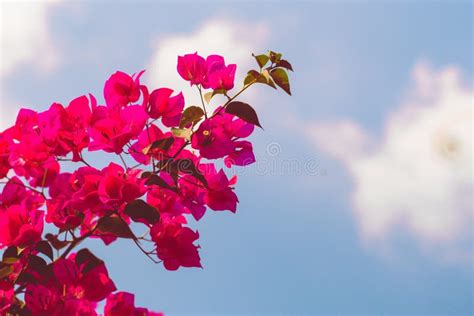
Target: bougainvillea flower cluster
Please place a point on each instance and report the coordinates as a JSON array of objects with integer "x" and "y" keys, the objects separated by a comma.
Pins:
[{"x": 164, "y": 171}]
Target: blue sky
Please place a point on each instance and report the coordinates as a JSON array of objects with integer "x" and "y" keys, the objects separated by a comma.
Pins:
[{"x": 303, "y": 241}]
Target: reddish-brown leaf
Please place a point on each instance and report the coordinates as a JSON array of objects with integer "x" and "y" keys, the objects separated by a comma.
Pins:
[{"x": 244, "y": 111}]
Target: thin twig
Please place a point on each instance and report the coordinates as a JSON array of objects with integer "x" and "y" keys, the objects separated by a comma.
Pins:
[{"x": 202, "y": 100}]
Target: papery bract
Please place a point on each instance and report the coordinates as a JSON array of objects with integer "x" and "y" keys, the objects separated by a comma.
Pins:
[
  {"x": 175, "y": 244},
  {"x": 241, "y": 156},
  {"x": 6, "y": 299},
  {"x": 69, "y": 290},
  {"x": 162, "y": 104},
  {"x": 164, "y": 199},
  {"x": 220, "y": 195},
  {"x": 192, "y": 67},
  {"x": 15, "y": 193},
  {"x": 110, "y": 130},
  {"x": 192, "y": 196},
  {"x": 32, "y": 159},
  {"x": 123, "y": 304},
  {"x": 121, "y": 89},
  {"x": 119, "y": 186},
  {"x": 73, "y": 136},
  {"x": 20, "y": 227},
  {"x": 143, "y": 150},
  {"x": 220, "y": 76},
  {"x": 211, "y": 140},
  {"x": 217, "y": 137}
]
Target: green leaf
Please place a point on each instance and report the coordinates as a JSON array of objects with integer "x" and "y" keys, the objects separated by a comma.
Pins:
[
  {"x": 5, "y": 271},
  {"x": 281, "y": 79},
  {"x": 252, "y": 76},
  {"x": 248, "y": 80},
  {"x": 154, "y": 179},
  {"x": 38, "y": 264},
  {"x": 187, "y": 166},
  {"x": 10, "y": 260},
  {"x": 115, "y": 226},
  {"x": 244, "y": 111},
  {"x": 218, "y": 91},
  {"x": 140, "y": 211},
  {"x": 163, "y": 144},
  {"x": 182, "y": 132},
  {"x": 190, "y": 115},
  {"x": 255, "y": 76},
  {"x": 10, "y": 255},
  {"x": 271, "y": 83},
  {"x": 146, "y": 174},
  {"x": 87, "y": 260},
  {"x": 25, "y": 277},
  {"x": 45, "y": 248},
  {"x": 262, "y": 60}
]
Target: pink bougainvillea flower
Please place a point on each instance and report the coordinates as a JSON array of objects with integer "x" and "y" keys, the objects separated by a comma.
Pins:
[
  {"x": 121, "y": 89},
  {"x": 161, "y": 104},
  {"x": 15, "y": 193},
  {"x": 49, "y": 124},
  {"x": 192, "y": 196},
  {"x": 111, "y": 130},
  {"x": 120, "y": 304},
  {"x": 43, "y": 300},
  {"x": 175, "y": 244},
  {"x": 192, "y": 68},
  {"x": 142, "y": 150},
  {"x": 75, "y": 118},
  {"x": 60, "y": 206},
  {"x": 95, "y": 283},
  {"x": 26, "y": 120},
  {"x": 145, "y": 139},
  {"x": 85, "y": 184},
  {"x": 243, "y": 155},
  {"x": 29, "y": 155},
  {"x": 209, "y": 73},
  {"x": 220, "y": 195},
  {"x": 43, "y": 174},
  {"x": 20, "y": 227},
  {"x": 211, "y": 139},
  {"x": 118, "y": 186},
  {"x": 234, "y": 127},
  {"x": 64, "y": 130},
  {"x": 6, "y": 299},
  {"x": 165, "y": 200},
  {"x": 220, "y": 76},
  {"x": 70, "y": 289},
  {"x": 218, "y": 137},
  {"x": 123, "y": 304},
  {"x": 74, "y": 198}
]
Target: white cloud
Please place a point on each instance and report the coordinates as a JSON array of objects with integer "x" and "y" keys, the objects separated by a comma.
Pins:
[
  {"x": 233, "y": 40},
  {"x": 419, "y": 177},
  {"x": 24, "y": 40}
]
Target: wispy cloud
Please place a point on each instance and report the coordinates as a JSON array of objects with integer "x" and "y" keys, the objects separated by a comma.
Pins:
[
  {"x": 419, "y": 176},
  {"x": 25, "y": 40}
]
